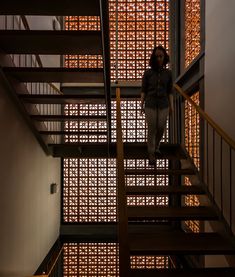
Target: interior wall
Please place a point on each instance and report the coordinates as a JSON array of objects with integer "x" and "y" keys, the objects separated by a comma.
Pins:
[
  {"x": 220, "y": 99},
  {"x": 220, "y": 63},
  {"x": 29, "y": 214},
  {"x": 46, "y": 23}
]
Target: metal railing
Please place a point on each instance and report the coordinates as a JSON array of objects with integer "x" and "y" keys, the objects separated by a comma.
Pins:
[{"x": 218, "y": 154}]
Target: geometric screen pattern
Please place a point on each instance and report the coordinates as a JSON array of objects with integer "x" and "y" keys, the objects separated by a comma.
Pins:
[
  {"x": 101, "y": 259},
  {"x": 90, "y": 188},
  {"x": 133, "y": 123},
  {"x": 192, "y": 144},
  {"x": 141, "y": 26},
  {"x": 192, "y": 30},
  {"x": 135, "y": 28}
]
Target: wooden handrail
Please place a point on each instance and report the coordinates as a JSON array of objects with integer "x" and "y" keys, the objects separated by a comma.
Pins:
[
  {"x": 55, "y": 261},
  {"x": 124, "y": 255},
  {"x": 52, "y": 267},
  {"x": 205, "y": 116}
]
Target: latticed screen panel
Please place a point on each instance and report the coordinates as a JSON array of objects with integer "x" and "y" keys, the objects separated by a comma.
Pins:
[
  {"x": 145, "y": 181},
  {"x": 192, "y": 144},
  {"x": 90, "y": 260},
  {"x": 95, "y": 128},
  {"x": 192, "y": 30},
  {"x": 149, "y": 262},
  {"x": 89, "y": 193},
  {"x": 101, "y": 259},
  {"x": 141, "y": 26},
  {"x": 134, "y": 128},
  {"x": 90, "y": 189},
  {"x": 133, "y": 123},
  {"x": 83, "y": 23},
  {"x": 192, "y": 129}
]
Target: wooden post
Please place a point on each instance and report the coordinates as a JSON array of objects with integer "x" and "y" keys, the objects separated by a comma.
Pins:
[{"x": 124, "y": 255}]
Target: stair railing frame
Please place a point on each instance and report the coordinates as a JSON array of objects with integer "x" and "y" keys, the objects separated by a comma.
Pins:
[{"x": 224, "y": 140}]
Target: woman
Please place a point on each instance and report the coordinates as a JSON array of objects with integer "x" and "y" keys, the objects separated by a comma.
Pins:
[{"x": 156, "y": 99}]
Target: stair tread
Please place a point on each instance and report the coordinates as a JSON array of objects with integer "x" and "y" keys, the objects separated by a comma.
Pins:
[
  {"x": 60, "y": 98},
  {"x": 171, "y": 151},
  {"x": 159, "y": 171},
  {"x": 171, "y": 213},
  {"x": 53, "y": 7},
  {"x": 173, "y": 243},
  {"x": 67, "y": 118},
  {"x": 140, "y": 151},
  {"x": 61, "y": 132},
  {"x": 192, "y": 272},
  {"x": 55, "y": 74},
  {"x": 152, "y": 190},
  {"x": 51, "y": 42}
]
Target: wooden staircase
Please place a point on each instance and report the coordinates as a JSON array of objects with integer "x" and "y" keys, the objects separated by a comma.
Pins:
[
  {"x": 55, "y": 42},
  {"x": 179, "y": 241}
]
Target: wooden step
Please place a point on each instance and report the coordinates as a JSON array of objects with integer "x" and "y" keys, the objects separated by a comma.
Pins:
[
  {"x": 52, "y": 7},
  {"x": 61, "y": 98},
  {"x": 139, "y": 151},
  {"x": 164, "y": 190},
  {"x": 71, "y": 133},
  {"x": 179, "y": 243},
  {"x": 89, "y": 150},
  {"x": 171, "y": 213},
  {"x": 159, "y": 172},
  {"x": 51, "y": 42},
  {"x": 67, "y": 118},
  {"x": 187, "y": 272},
  {"x": 57, "y": 74}
]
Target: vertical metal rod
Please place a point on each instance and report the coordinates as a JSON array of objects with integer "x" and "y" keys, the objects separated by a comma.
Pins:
[
  {"x": 230, "y": 187},
  {"x": 221, "y": 174},
  {"x": 213, "y": 162},
  {"x": 207, "y": 156}
]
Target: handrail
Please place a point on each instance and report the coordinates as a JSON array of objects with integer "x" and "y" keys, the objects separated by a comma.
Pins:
[
  {"x": 56, "y": 259},
  {"x": 220, "y": 131},
  {"x": 39, "y": 61},
  {"x": 124, "y": 256},
  {"x": 52, "y": 267}
]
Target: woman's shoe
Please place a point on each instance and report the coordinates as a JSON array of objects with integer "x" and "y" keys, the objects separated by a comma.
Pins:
[
  {"x": 152, "y": 160},
  {"x": 158, "y": 152}
]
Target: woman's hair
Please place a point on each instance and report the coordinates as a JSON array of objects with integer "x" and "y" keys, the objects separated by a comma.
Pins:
[{"x": 153, "y": 59}]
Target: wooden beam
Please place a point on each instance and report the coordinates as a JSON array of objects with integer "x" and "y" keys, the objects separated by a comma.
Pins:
[
  {"x": 52, "y": 7},
  {"x": 165, "y": 190},
  {"x": 171, "y": 213},
  {"x": 51, "y": 42},
  {"x": 56, "y": 74}
]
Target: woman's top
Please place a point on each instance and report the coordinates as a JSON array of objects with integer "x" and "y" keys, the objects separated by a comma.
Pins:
[{"x": 157, "y": 86}]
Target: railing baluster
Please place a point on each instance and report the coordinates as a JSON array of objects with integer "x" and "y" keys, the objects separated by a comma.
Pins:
[
  {"x": 221, "y": 175},
  {"x": 230, "y": 186},
  {"x": 213, "y": 162},
  {"x": 211, "y": 155},
  {"x": 207, "y": 155}
]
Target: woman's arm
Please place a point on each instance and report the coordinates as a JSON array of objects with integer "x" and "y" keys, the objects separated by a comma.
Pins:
[
  {"x": 143, "y": 91},
  {"x": 170, "y": 94},
  {"x": 142, "y": 98}
]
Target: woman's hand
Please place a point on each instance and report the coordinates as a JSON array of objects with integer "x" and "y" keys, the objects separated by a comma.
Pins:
[{"x": 142, "y": 109}]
